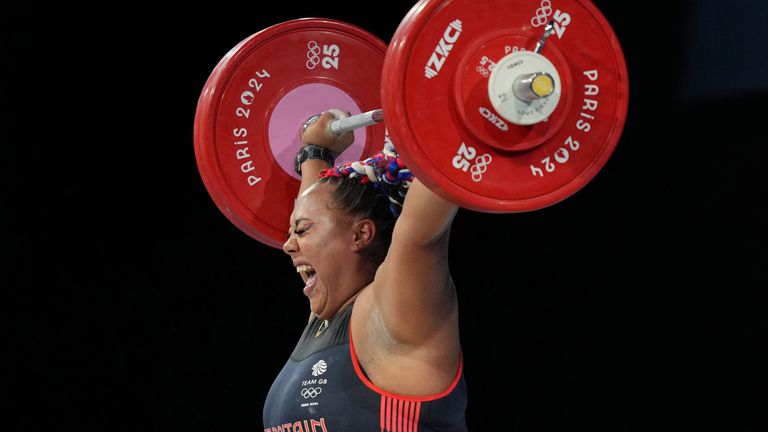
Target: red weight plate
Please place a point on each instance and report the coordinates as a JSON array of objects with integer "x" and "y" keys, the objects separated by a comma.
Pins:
[
  {"x": 449, "y": 133},
  {"x": 250, "y": 110}
]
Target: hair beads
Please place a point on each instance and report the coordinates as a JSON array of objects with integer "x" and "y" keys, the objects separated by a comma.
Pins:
[{"x": 385, "y": 171}]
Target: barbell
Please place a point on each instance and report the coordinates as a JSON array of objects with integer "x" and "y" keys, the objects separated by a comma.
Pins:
[{"x": 499, "y": 106}]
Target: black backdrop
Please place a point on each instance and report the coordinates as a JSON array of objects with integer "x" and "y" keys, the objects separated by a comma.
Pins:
[{"x": 134, "y": 304}]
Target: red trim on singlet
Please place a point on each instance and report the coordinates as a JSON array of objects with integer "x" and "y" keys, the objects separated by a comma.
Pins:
[
  {"x": 403, "y": 417},
  {"x": 381, "y": 414},
  {"x": 383, "y": 392},
  {"x": 416, "y": 419}
]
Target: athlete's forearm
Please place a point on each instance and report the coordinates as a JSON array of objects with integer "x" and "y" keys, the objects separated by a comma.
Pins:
[
  {"x": 310, "y": 170},
  {"x": 426, "y": 216}
]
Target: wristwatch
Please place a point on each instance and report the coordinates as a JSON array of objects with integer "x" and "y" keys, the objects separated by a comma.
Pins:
[{"x": 312, "y": 151}]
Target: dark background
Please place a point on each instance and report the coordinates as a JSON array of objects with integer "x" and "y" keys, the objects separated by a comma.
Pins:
[{"x": 134, "y": 304}]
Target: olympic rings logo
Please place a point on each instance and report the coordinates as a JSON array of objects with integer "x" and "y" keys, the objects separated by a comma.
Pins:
[
  {"x": 542, "y": 13},
  {"x": 480, "y": 167},
  {"x": 313, "y": 54},
  {"x": 482, "y": 71},
  {"x": 311, "y": 392}
]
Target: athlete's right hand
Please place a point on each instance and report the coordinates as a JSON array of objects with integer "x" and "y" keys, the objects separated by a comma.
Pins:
[{"x": 318, "y": 132}]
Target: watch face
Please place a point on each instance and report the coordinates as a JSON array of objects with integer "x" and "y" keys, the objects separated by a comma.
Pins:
[{"x": 313, "y": 152}]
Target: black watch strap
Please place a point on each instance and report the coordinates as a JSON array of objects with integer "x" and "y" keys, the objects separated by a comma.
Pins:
[{"x": 312, "y": 151}]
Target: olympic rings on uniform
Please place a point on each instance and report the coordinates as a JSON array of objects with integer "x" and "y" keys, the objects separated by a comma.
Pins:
[{"x": 311, "y": 392}]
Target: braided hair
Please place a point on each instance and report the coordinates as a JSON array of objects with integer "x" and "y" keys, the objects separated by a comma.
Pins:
[{"x": 373, "y": 188}]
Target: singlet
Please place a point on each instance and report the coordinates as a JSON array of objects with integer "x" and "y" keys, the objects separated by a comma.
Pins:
[{"x": 322, "y": 388}]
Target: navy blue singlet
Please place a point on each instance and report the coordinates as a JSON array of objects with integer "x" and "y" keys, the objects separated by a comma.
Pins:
[{"x": 322, "y": 388}]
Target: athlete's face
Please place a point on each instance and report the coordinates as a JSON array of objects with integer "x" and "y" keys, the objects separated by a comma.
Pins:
[{"x": 319, "y": 244}]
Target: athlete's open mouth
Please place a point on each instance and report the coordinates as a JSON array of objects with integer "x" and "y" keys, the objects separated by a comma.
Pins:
[{"x": 305, "y": 271}]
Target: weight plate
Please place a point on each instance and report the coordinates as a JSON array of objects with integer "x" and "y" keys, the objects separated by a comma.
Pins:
[
  {"x": 251, "y": 107},
  {"x": 435, "y": 85}
]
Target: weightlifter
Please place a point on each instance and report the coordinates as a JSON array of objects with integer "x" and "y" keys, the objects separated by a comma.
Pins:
[{"x": 381, "y": 349}]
